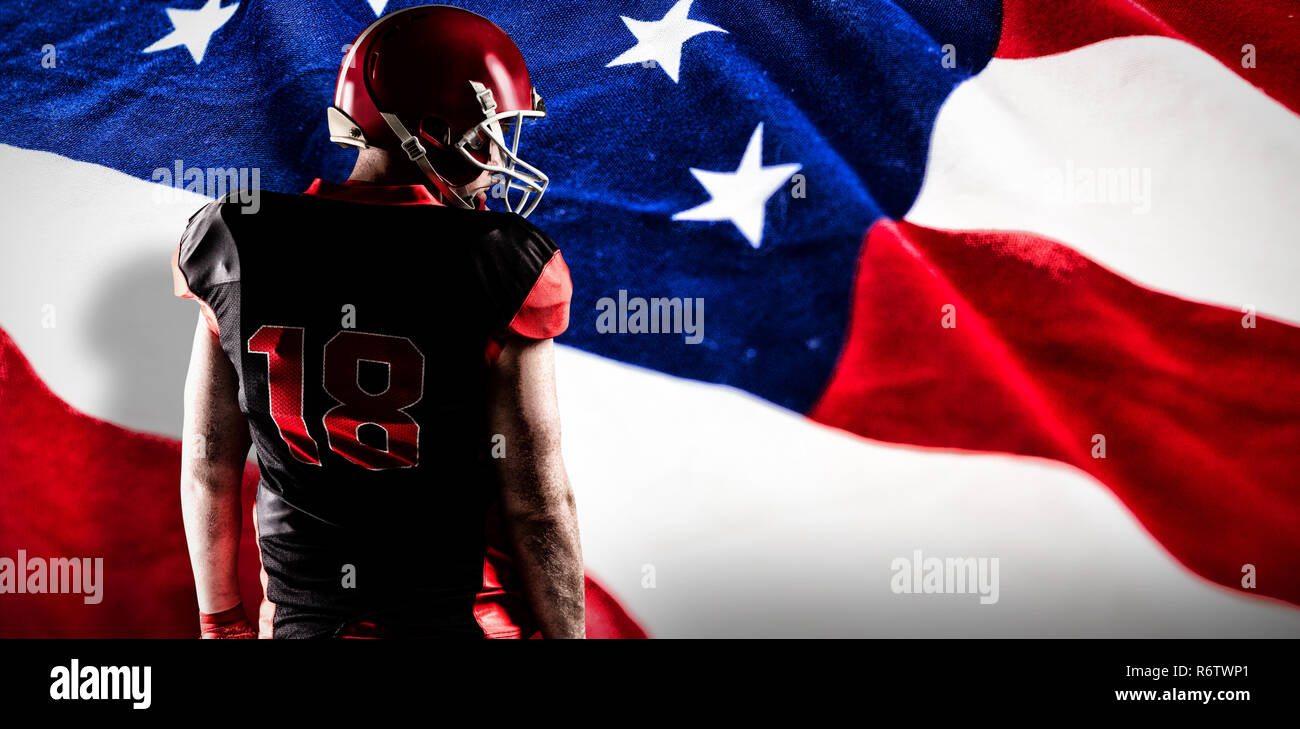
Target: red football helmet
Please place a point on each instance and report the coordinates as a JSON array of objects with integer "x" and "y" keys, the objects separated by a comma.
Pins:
[{"x": 459, "y": 82}]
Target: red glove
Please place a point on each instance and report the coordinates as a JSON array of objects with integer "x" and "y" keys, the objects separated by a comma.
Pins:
[{"x": 226, "y": 624}]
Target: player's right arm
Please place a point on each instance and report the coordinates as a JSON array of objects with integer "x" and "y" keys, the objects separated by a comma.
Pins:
[
  {"x": 214, "y": 449},
  {"x": 215, "y": 442}
]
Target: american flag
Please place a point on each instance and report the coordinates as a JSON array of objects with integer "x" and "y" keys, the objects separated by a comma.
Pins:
[{"x": 1008, "y": 280}]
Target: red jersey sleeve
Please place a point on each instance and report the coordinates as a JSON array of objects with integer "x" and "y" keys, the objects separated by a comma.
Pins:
[{"x": 545, "y": 311}]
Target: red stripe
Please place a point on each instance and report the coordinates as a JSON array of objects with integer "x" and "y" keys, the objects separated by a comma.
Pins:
[
  {"x": 606, "y": 618},
  {"x": 1033, "y": 28},
  {"x": 1201, "y": 417},
  {"x": 75, "y": 486}
]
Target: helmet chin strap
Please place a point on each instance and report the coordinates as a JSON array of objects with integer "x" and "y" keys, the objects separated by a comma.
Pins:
[{"x": 417, "y": 154}]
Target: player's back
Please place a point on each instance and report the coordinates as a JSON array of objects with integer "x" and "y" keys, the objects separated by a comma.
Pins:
[{"x": 361, "y": 322}]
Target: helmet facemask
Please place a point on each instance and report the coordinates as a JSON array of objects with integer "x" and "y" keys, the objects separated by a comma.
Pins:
[{"x": 517, "y": 176}]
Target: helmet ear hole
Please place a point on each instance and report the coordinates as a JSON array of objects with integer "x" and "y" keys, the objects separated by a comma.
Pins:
[
  {"x": 442, "y": 152},
  {"x": 435, "y": 130}
]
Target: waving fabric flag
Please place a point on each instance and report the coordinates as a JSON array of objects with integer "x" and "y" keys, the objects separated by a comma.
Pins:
[{"x": 1007, "y": 280}]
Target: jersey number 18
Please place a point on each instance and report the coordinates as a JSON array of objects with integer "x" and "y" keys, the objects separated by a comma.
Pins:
[{"x": 344, "y": 353}]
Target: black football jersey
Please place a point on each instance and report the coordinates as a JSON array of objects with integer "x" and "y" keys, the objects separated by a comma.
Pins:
[{"x": 362, "y": 322}]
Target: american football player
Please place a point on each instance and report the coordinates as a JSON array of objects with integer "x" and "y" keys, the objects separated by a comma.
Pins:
[{"x": 385, "y": 344}]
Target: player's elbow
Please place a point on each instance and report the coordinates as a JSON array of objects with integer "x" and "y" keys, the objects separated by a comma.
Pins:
[
  {"x": 210, "y": 478},
  {"x": 535, "y": 483},
  {"x": 538, "y": 436},
  {"x": 555, "y": 511}
]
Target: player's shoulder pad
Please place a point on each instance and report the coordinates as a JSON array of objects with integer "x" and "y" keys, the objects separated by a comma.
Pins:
[
  {"x": 206, "y": 256},
  {"x": 527, "y": 276}
]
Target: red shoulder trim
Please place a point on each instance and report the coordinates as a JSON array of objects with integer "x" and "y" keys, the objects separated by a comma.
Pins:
[
  {"x": 545, "y": 312},
  {"x": 181, "y": 288}
]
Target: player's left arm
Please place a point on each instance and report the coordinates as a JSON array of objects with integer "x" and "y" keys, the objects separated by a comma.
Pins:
[
  {"x": 537, "y": 504},
  {"x": 214, "y": 449}
]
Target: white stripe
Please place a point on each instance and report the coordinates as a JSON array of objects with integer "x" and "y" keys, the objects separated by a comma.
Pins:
[
  {"x": 1222, "y": 158},
  {"x": 95, "y": 245},
  {"x": 757, "y": 521}
]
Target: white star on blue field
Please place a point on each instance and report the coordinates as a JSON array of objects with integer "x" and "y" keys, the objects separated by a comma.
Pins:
[
  {"x": 741, "y": 196},
  {"x": 661, "y": 40},
  {"x": 194, "y": 28}
]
